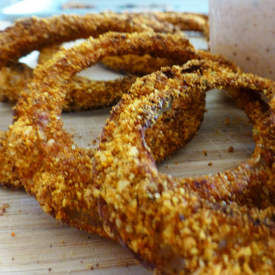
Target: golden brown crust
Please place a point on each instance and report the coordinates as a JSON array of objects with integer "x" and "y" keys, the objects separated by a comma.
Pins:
[
  {"x": 36, "y": 149},
  {"x": 195, "y": 224},
  {"x": 147, "y": 64},
  {"x": 35, "y": 33},
  {"x": 167, "y": 222}
]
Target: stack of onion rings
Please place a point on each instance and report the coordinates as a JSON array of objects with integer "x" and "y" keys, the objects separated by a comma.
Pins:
[
  {"x": 34, "y": 33},
  {"x": 15, "y": 76},
  {"x": 36, "y": 148},
  {"x": 194, "y": 224},
  {"x": 175, "y": 225}
]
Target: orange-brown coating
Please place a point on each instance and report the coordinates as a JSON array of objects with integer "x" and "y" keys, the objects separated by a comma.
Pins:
[
  {"x": 42, "y": 155},
  {"x": 37, "y": 138},
  {"x": 186, "y": 21},
  {"x": 83, "y": 93},
  {"x": 35, "y": 33},
  {"x": 136, "y": 202},
  {"x": 171, "y": 223},
  {"x": 147, "y": 64},
  {"x": 135, "y": 64},
  {"x": 13, "y": 79}
]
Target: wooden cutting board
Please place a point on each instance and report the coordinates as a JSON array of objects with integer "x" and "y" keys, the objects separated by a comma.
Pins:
[{"x": 31, "y": 242}]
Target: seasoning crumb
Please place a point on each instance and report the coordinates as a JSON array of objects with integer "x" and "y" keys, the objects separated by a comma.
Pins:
[
  {"x": 12, "y": 234},
  {"x": 227, "y": 121},
  {"x": 3, "y": 208},
  {"x": 97, "y": 265},
  {"x": 49, "y": 269},
  {"x": 12, "y": 259},
  {"x": 51, "y": 245},
  {"x": 91, "y": 267},
  {"x": 94, "y": 141},
  {"x": 230, "y": 149},
  {"x": 210, "y": 163},
  {"x": 204, "y": 152}
]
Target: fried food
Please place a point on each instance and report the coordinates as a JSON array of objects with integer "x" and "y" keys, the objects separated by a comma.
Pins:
[
  {"x": 197, "y": 225},
  {"x": 203, "y": 224},
  {"x": 13, "y": 79},
  {"x": 34, "y": 33},
  {"x": 39, "y": 154},
  {"x": 138, "y": 65},
  {"x": 39, "y": 33},
  {"x": 84, "y": 93},
  {"x": 147, "y": 64}
]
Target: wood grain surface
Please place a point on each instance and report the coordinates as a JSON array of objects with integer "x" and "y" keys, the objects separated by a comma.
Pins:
[{"x": 41, "y": 245}]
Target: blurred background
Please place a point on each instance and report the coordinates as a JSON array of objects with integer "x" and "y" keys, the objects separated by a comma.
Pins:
[{"x": 13, "y": 9}]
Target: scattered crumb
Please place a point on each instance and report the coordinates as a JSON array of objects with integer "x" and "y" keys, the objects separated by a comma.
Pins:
[
  {"x": 81, "y": 262},
  {"x": 3, "y": 208},
  {"x": 94, "y": 141},
  {"x": 230, "y": 149},
  {"x": 204, "y": 152},
  {"x": 91, "y": 267},
  {"x": 49, "y": 269},
  {"x": 97, "y": 265},
  {"x": 12, "y": 234},
  {"x": 51, "y": 245},
  {"x": 227, "y": 121},
  {"x": 210, "y": 163},
  {"x": 12, "y": 259}
]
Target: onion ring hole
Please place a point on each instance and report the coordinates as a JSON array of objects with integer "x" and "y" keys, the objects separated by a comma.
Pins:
[{"x": 223, "y": 141}]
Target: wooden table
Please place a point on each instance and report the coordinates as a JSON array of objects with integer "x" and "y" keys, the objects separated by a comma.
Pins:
[{"x": 42, "y": 245}]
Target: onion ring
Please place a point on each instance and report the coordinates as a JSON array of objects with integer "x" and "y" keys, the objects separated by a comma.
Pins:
[
  {"x": 42, "y": 155},
  {"x": 194, "y": 224},
  {"x": 147, "y": 64},
  {"x": 84, "y": 93},
  {"x": 53, "y": 149},
  {"x": 33, "y": 33},
  {"x": 14, "y": 78}
]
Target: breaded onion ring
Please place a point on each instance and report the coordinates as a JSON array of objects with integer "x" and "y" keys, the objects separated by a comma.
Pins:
[
  {"x": 83, "y": 93},
  {"x": 34, "y": 33},
  {"x": 14, "y": 78},
  {"x": 59, "y": 173},
  {"x": 42, "y": 155},
  {"x": 147, "y": 64},
  {"x": 201, "y": 224}
]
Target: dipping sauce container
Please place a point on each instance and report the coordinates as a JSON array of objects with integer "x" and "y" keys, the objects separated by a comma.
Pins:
[{"x": 244, "y": 32}]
